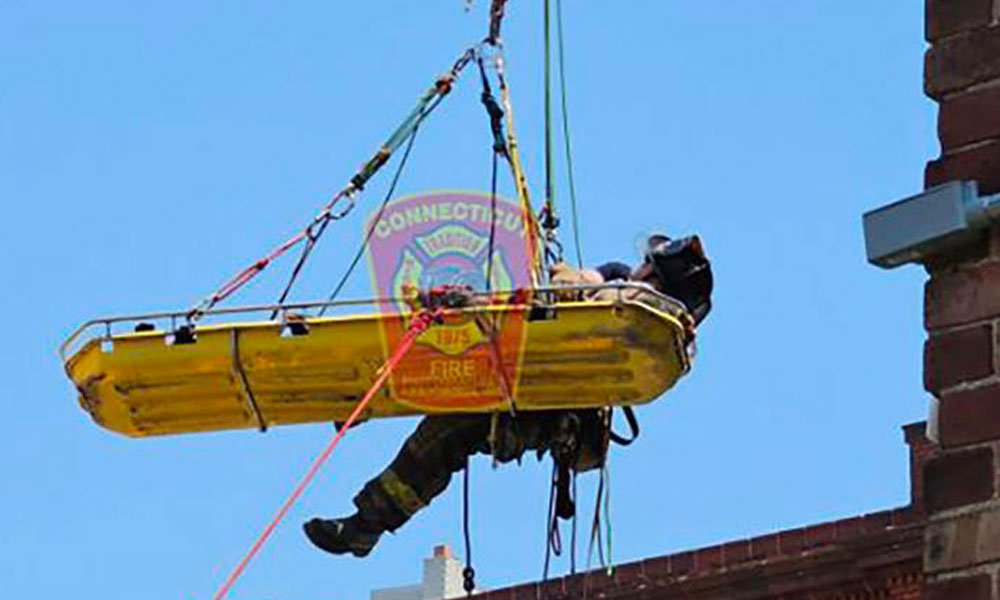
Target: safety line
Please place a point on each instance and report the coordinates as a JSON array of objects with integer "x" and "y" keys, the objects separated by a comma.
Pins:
[
  {"x": 550, "y": 191},
  {"x": 425, "y": 105},
  {"x": 496, "y": 20},
  {"x": 520, "y": 179},
  {"x": 468, "y": 573},
  {"x": 421, "y": 323},
  {"x": 491, "y": 246},
  {"x": 371, "y": 227},
  {"x": 571, "y": 180}
]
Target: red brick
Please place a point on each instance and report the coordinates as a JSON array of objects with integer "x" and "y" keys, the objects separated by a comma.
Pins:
[
  {"x": 969, "y": 117},
  {"x": 955, "y": 357},
  {"x": 921, "y": 449},
  {"x": 976, "y": 587},
  {"x": 630, "y": 573},
  {"x": 962, "y": 61},
  {"x": 679, "y": 564},
  {"x": 979, "y": 163},
  {"x": 791, "y": 541},
  {"x": 736, "y": 552},
  {"x": 764, "y": 546},
  {"x": 820, "y": 535},
  {"x": 528, "y": 591},
  {"x": 504, "y": 594},
  {"x": 969, "y": 416},
  {"x": 875, "y": 522},
  {"x": 905, "y": 516},
  {"x": 948, "y": 17},
  {"x": 552, "y": 588},
  {"x": 962, "y": 296},
  {"x": 708, "y": 559},
  {"x": 962, "y": 541},
  {"x": 849, "y": 528},
  {"x": 581, "y": 585},
  {"x": 958, "y": 479}
]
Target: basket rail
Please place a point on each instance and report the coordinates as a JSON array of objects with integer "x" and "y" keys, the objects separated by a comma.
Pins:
[{"x": 182, "y": 317}]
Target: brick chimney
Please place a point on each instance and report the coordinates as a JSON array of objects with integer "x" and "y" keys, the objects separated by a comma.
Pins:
[{"x": 962, "y": 311}]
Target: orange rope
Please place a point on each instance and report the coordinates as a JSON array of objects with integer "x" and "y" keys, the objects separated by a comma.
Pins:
[{"x": 419, "y": 325}]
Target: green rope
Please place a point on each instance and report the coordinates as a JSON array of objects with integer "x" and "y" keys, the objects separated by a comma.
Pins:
[
  {"x": 566, "y": 139},
  {"x": 607, "y": 515}
]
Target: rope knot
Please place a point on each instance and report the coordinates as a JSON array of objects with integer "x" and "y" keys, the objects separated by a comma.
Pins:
[{"x": 469, "y": 580}]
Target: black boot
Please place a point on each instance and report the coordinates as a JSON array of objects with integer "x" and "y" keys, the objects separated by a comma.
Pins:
[{"x": 340, "y": 536}]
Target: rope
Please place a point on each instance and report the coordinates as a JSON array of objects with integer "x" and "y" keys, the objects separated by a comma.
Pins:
[
  {"x": 552, "y": 542},
  {"x": 595, "y": 526},
  {"x": 311, "y": 242},
  {"x": 548, "y": 217},
  {"x": 572, "y": 545},
  {"x": 468, "y": 573},
  {"x": 574, "y": 213},
  {"x": 496, "y": 115},
  {"x": 371, "y": 228},
  {"x": 549, "y": 187},
  {"x": 420, "y": 323},
  {"x": 520, "y": 180},
  {"x": 496, "y": 20},
  {"x": 493, "y": 225},
  {"x": 425, "y": 105},
  {"x": 606, "y": 474}
]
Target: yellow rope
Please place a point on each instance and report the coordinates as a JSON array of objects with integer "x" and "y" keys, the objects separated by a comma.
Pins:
[{"x": 532, "y": 228}]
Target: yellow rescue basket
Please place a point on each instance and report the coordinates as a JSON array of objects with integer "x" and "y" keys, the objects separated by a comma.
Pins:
[{"x": 255, "y": 374}]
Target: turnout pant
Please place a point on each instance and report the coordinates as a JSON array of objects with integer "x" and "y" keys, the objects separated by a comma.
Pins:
[{"x": 441, "y": 445}]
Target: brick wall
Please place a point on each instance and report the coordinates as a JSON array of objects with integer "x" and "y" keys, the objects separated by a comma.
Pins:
[
  {"x": 873, "y": 557},
  {"x": 877, "y": 556},
  {"x": 962, "y": 311},
  {"x": 963, "y": 74}
]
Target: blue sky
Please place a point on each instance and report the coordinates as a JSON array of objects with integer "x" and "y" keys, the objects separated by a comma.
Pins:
[{"x": 148, "y": 150}]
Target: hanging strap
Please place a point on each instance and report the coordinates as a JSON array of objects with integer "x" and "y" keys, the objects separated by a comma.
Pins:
[
  {"x": 633, "y": 425},
  {"x": 496, "y": 20},
  {"x": 363, "y": 247},
  {"x": 531, "y": 228}
]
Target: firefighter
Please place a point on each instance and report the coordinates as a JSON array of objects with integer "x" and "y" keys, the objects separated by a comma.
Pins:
[{"x": 576, "y": 439}]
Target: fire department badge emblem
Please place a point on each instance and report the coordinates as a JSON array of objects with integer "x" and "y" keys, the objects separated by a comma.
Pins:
[{"x": 443, "y": 239}]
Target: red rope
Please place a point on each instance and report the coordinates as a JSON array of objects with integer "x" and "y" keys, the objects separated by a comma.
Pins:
[
  {"x": 244, "y": 276},
  {"x": 420, "y": 324}
]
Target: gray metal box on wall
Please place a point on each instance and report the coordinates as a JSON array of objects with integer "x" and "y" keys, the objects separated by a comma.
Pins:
[{"x": 921, "y": 226}]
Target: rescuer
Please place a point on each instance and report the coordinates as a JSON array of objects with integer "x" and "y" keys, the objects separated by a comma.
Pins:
[{"x": 576, "y": 439}]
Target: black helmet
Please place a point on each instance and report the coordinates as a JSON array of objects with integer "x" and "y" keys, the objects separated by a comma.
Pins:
[{"x": 682, "y": 271}]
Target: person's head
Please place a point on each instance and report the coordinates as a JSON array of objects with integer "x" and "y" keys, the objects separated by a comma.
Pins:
[{"x": 680, "y": 269}]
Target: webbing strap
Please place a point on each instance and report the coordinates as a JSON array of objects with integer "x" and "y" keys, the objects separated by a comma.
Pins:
[
  {"x": 360, "y": 253},
  {"x": 633, "y": 425},
  {"x": 496, "y": 20},
  {"x": 425, "y": 105},
  {"x": 520, "y": 179},
  {"x": 420, "y": 324}
]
